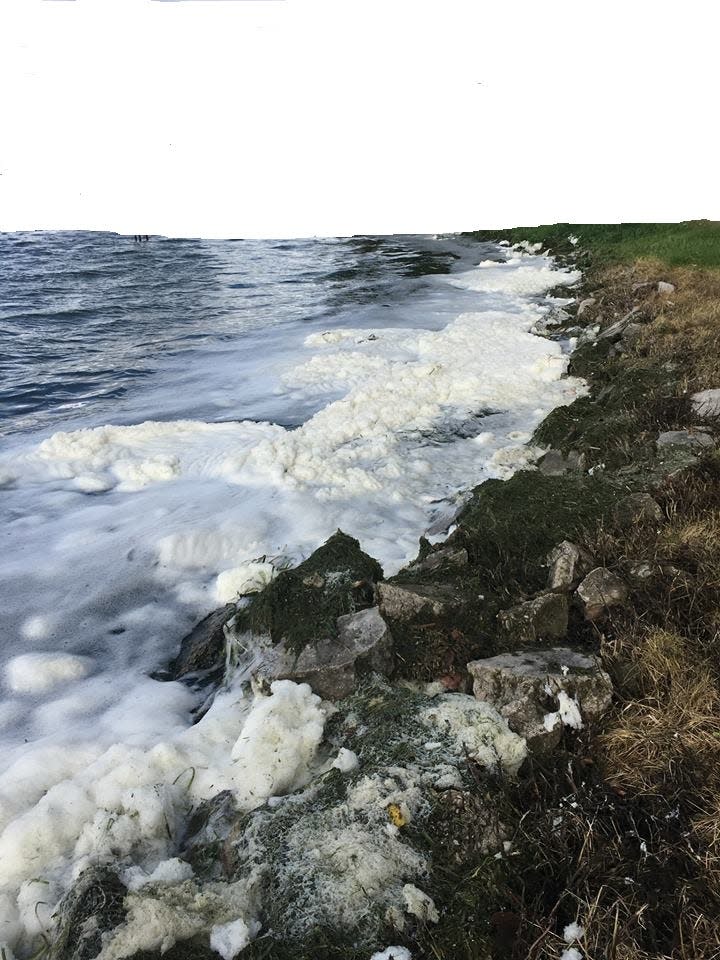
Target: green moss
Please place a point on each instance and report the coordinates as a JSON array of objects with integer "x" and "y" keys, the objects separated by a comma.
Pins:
[
  {"x": 510, "y": 526},
  {"x": 303, "y": 604}
]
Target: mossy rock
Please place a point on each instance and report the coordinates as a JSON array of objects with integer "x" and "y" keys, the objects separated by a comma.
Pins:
[{"x": 304, "y": 603}]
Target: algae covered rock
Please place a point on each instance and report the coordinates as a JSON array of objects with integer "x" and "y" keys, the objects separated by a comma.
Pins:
[
  {"x": 543, "y": 618},
  {"x": 334, "y": 667},
  {"x": 539, "y": 691},
  {"x": 600, "y": 590},
  {"x": 303, "y": 604}
]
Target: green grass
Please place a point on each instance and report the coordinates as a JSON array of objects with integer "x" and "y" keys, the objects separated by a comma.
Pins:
[{"x": 692, "y": 243}]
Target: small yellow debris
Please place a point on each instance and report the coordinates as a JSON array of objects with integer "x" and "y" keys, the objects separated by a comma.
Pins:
[{"x": 396, "y": 815}]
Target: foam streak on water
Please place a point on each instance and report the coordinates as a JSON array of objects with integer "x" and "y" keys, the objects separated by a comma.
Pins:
[{"x": 367, "y": 402}]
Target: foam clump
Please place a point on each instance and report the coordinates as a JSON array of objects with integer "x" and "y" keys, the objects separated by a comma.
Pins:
[
  {"x": 278, "y": 742},
  {"x": 242, "y": 580},
  {"x": 40, "y": 672},
  {"x": 228, "y": 939}
]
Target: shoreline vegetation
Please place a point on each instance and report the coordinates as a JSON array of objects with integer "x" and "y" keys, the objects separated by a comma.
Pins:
[{"x": 602, "y": 565}]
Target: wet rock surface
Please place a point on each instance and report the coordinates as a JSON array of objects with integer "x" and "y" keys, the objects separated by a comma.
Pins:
[
  {"x": 202, "y": 651},
  {"x": 525, "y": 688}
]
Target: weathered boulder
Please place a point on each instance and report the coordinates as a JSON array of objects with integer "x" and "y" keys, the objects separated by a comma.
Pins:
[
  {"x": 545, "y": 617},
  {"x": 203, "y": 649},
  {"x": 706, "y": 403},
  {"x": 637, "y": 506},
  {"x": 567, "y": 563},
  {"x": 556, "y": 464},
  {"x": 333, "y": 667},
  {"x": 600, "y": 590},
  {"x": 665, "y": 287},
  {"x": 92, "y": 906},
  {"x": 683, "y": 438},
  {"x": 404, "y": 602},
  {"x": 540, "y": 691}
]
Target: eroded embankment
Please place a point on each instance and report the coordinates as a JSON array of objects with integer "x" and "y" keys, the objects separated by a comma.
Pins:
[{"x": 533, "y": 818}]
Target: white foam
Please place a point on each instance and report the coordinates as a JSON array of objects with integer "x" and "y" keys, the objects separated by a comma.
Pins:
[
  {"x": 118, "y": 538},
  {"x": 40, "y": 672}
]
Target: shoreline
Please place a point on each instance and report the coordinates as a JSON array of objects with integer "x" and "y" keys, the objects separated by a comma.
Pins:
[{"x": 510, "y": 856}]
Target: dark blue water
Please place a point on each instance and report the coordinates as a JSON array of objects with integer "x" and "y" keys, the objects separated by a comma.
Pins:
[{"x": 89, "y": 319}]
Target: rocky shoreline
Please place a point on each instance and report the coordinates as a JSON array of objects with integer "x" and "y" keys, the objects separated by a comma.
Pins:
[{"x": 464, "y": 698}]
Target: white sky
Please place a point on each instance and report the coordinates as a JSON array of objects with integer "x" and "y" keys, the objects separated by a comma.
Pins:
[{"x": 327, "y": 117}]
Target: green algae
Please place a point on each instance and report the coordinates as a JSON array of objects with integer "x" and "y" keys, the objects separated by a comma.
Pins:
[{"x": 303, "y": 603}]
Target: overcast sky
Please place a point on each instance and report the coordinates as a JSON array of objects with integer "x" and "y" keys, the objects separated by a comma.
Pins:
[{"x": 326, "y": 117}]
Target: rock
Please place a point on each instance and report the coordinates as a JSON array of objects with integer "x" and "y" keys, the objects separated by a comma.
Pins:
[
  {"x": 665, "y": 287},
  {"x": 404, "y": 603},
  {"x": 631, "y": 334},
  {"x": 543, "y": 618},
  {"x": 683, "y": 438},
  {"x": 706, "y": 403},
  {"x": 528, "y": 688},
  {"x": 334, "y": 666},
  {"x": 585, "y": 305},
  {"x": 555, "y": 464},
  {"x": 445, "y": 557},
  {"x": 642, "y": 572},
  {"x": 92, "y": 906},
  {"x": 637, "y": 506},
  {"x": 600, "y": 590},
  {"x": 616, "y": 330},
  {"x": 567, "y": 563},
  {"x": 203, "y": 649}
]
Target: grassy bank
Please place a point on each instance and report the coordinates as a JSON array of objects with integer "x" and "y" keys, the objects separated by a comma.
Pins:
[
  {"x": 621, "y": 833},
  {"x": 693, "y": 243}
]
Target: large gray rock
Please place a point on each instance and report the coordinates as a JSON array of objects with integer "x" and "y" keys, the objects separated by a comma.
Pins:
[
  {"x": 567, "y": 563},
  {"x": 706, "y": 403},
  {"x": 540, "y": 691},
  {"x": 637, "y": 506},
  {"x": 93, "y": 906},
  {"x": 404, "y": 602},
  {"x": 333, "y": 667},
  {"x": 665, "y": 287},
  {"x": 683, "y": 438},
  {"x": 203, "y": 649},
  {"x": 543, "y": 618},
  {"x": 600, "y": 590}
]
